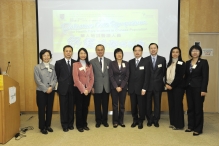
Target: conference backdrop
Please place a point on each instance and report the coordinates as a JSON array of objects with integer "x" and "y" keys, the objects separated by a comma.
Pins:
[{"x": 115, "y": 24}]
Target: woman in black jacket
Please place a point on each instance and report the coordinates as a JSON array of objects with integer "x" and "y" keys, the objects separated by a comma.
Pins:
[
  {"x": 196, "y": 78},
  {"x": 175, "y": 88}
]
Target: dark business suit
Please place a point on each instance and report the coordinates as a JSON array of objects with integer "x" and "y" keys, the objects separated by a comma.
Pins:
[
  {"x": 118, "y": 78},
  {"x": 156, "y": 87},
  {"x": 175, "y": 96},
  {"x": 196, "y": 82},
  {"x": 138, "y": 80},
  {"x": 65, "y": 90}
]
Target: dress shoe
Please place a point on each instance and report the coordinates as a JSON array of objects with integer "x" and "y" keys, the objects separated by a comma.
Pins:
[
  {"x": 70, "y": 127},
  {"x": 140, "y": 125},
  {"x": 65, "y": 129},
  {"x": 171, "y": 126},
  {"x": 86, "y": 128},
  {"x": 97, "y": 125},
  {"x": 188, "y": 130},
  {"x": 49, "y": 129},
  {"x": 43, "y": 131},
  {"x": 134, "y": 124},
  {"x": 122, "y": 125},
  {"x": 105, "y": 124},
  {"x": 80, "y": 129},
  {"x": 156, "y": 124},
  {"x": 115, "y": 125},
  {"x": 174, "y": 128},
  {"x": 196, "y": 133},
  {"x": 149, "y": 124}
]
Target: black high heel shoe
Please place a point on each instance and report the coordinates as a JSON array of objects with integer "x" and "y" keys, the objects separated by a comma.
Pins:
[
  {"x": 188, "y": 130},
  {"x": 115, "y": 125},
  {"x": 196, "y": 133}
]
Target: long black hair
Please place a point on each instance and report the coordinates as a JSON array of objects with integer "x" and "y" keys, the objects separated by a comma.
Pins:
[
  {"x": 170, "y": 57},
  {"x": 86, "y": 59}
]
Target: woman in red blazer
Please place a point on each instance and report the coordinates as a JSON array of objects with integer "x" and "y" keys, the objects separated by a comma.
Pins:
[
  {"x": 196, "y": 78},
  {"x": 83, "y": 79}
]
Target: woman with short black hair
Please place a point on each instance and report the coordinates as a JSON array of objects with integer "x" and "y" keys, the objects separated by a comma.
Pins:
[
  {"x": 119, "y": 74},
  {"x": 196, "y": 79},
  {"x": 45, "y": 78}
]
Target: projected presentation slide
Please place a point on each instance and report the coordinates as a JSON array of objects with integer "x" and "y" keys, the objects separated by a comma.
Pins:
[
  {"x": 113, "y": 23},
  {"x": 113, "y": 28}
]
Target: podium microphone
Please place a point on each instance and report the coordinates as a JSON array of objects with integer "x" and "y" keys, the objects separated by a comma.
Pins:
[{"x": 7, "y": 67}]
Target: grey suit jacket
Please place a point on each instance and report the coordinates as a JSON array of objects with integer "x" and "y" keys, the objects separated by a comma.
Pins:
[
  {"x": 101, "y": 79},
  {"x": 44, "y": 78}
]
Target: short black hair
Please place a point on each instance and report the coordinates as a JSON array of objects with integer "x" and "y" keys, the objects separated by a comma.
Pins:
[
  {"x": 196, "y": 47},
  {"x": 66, "y": 46},
  {"x": 100, "y": 45},
  {"x": 86, "y": 59},
  {"x": 116, "y": 51},
  {"x": 137, "y": 46},
  {"x": 43, "y": 52},
  {"x": 152, "y": 44}
]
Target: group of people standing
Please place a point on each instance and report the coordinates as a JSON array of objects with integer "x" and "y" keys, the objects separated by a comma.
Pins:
[{"x": 143, "y": 78}]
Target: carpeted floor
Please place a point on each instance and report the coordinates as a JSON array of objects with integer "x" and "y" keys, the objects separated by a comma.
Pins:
[{"x": 148, "y": 136}]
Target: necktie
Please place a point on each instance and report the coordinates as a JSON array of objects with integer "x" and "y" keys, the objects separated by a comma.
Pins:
[
  {"x": 137, "y": 61},
  {"x": 101, "y": 63},
  {"x": 153, "y": 62},
  {"x": 69, "y": 67}
]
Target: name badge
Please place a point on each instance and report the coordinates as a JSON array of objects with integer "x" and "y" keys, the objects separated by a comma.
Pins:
[
  {"x": 194, "y": 66},
  {"x": 160, "y": 65},
  {"x": 81, "y": 68},
  {"x": 123, "y": 65},
  {"x": 49, "y": 70},
  {"x": 180, "y": 62},
  {"x": 141, "y": 68}
]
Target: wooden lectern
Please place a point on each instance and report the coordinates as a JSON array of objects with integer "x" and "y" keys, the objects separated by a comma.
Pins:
[{"x": 9, "y": 113}]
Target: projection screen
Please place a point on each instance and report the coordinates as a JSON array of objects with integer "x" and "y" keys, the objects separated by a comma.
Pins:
[{"x": 113, "y": 23}]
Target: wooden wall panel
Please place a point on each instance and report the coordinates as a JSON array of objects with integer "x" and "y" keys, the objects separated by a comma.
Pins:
[
  {"x": 11, "y": 42},
  {"x": 204, "y": 16},
  {"x": 30, "y": 53},
  {"x": 184, "y": 31},
  {"x": 18, "y": 42}
]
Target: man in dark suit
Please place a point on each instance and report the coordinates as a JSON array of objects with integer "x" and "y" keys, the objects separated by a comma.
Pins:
[
  {"x": 101, "y": 86},
  {"x": 137, "y": 86},
  {"x": 157, "y": 66},
  {"x": 66, "y": 88}
]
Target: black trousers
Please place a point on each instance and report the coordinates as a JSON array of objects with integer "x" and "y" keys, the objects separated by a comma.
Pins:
[
  {"x": 82, "y": 104},
  {"x": 195, "y": 109},
  {"x": 101, "y": 100},
  {"x": 67, "y": 103},
  {"x": 118, "y": 113},
  {"x": 175, "y": 102},
  {"x": 137, "y": 107},
  {"x": 45, "y": 105},
  {"x": 156, "y": 95}
]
